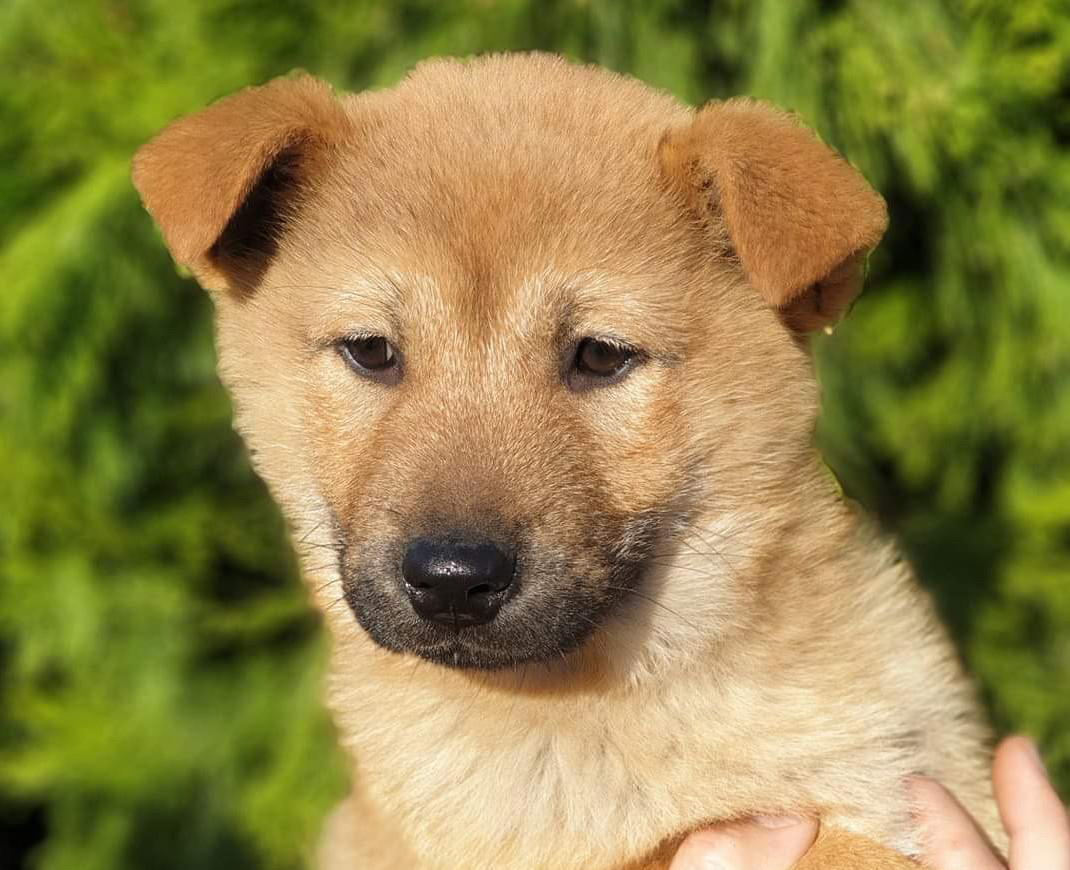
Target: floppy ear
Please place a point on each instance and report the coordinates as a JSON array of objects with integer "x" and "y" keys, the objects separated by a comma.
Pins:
[
  {"x": 221, "y": 182},
  {"x": 800, "y": 218}
]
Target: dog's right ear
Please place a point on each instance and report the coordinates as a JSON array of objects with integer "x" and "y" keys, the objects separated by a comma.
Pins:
[{"x": 220, "y": 183}]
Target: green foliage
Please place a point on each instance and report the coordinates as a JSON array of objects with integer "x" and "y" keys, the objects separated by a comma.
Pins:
[{"x": 159, "y": 671}]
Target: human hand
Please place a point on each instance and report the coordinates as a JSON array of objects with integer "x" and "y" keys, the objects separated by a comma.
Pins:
[
  {"x": 757, "y": 844},
  {"x": 1032, "y": 813},
  {"x": 1034, "y": 817}
]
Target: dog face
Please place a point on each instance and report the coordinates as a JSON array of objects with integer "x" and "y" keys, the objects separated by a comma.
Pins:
[{"x": 499, "y": 337}]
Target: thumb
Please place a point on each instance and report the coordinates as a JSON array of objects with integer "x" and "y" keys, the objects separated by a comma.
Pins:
[{"x": 757, "y": 844}]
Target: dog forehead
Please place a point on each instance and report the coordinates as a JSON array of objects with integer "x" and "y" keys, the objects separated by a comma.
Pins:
[
  {"x": 506, "y": 182},
  {"x": 507, "y": 148},
  {"x": 521, "y": 108}
]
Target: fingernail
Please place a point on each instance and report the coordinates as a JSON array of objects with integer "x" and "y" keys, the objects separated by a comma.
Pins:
[{"x": 775, "y": 822}]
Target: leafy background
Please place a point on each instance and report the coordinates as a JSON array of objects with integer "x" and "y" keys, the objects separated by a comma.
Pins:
[{"x": 159, "y": 668}]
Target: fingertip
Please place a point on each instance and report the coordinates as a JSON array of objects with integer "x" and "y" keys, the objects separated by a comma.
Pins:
[
  {"x": 771, "y": 843},
  {"x": 949, "y": 837},
  {"x": 1021, "y": 783},
  {"x": 702, "y": 850},
  {"x": 1018, "y": 754},
  {"x": 930, "y": 800},
  {"x": 1032, "y": 812}
]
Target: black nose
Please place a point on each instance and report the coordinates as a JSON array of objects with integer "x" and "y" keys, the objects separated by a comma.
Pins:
[{"x": 454, "y": 582}]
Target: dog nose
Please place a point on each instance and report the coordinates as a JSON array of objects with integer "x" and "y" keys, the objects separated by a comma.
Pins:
[{"x": 454, "y": 582}]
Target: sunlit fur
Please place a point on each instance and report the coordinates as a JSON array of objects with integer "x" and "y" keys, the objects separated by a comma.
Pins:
[{"x": 774, "y": 654}]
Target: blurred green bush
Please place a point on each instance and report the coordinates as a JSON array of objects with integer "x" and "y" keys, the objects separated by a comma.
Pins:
[{"x": 159, "y": 671}]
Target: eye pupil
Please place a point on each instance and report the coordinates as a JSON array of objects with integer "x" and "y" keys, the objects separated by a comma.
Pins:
[
  {"x": 371, "y": 353},
  {"x": 600, "y": 358}
]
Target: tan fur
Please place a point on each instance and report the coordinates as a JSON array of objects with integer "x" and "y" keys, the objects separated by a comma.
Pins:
[
  {"x": 838, "y": 849},
  {"x": 780, "y": 657}
]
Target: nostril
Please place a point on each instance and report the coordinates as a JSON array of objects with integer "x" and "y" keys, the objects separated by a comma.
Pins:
[{"x": 457, "y": 582}]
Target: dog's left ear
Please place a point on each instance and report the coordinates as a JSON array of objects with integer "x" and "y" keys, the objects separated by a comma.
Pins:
[{"x": 800, "y": 218}]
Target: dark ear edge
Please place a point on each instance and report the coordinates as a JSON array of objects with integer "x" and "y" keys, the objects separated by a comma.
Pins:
[
  {"x": 248, "y": 242},
  {"x": 799, "y": 218},
  {"x": 221, "y": 183},
  {"x": 825, "y": 302}
]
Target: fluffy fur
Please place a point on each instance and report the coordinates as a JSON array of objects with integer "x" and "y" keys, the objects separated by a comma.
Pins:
[{"x": 776, "y": 655}]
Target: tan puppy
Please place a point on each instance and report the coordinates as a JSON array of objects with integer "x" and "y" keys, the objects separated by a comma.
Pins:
[{"x": 517, "y": 346}]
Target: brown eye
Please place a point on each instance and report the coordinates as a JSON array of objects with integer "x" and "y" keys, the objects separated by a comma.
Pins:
[
  {"x": 368, "y": 354},
  {"x": 601, "y": 359}
]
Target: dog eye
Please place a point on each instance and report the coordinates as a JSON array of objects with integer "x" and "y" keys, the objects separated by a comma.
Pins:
[
  {"x": 368, "y": 354},
  {"x": 601, "y": 359}
]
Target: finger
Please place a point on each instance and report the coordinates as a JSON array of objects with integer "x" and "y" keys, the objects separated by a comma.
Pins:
[
  {"x": 950, "y": 839},
  {"x": 769, "y": 844},
  {"x": 1032, "y": 813}
]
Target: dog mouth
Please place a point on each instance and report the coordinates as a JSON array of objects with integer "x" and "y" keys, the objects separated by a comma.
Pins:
[
  {"x": 471, "y": 649},
  {"x": 550, "y": 616},
  {"x": 491, "y": 597}
]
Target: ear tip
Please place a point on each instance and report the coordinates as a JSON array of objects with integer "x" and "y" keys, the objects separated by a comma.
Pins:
[
  {"x": 876, "y": 217},
  {"x": 298, "y": 83},
  {"x": 749, "y": 114},
  {"x": 139, "y": 170},
  {"x": 165, "y": 203}
]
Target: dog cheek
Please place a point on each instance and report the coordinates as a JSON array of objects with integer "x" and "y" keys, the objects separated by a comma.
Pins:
[{"x": 643, "y": 462}]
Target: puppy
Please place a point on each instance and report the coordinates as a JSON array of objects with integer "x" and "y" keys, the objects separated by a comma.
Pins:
[{"x": 519, "y": 348}]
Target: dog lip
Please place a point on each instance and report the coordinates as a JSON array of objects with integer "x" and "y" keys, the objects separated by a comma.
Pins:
[
  {"x": 464, "y": 656},
  {"x": 538, "y": 627}
]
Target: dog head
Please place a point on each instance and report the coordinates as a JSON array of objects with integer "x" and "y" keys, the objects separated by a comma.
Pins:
[{"x": 508, "y": 339}]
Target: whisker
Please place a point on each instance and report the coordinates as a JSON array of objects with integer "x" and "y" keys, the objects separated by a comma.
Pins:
[{"x": 657, "y": 603}]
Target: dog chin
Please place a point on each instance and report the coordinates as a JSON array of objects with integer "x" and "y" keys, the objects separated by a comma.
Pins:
[
  {"x": 465, "y": 657},
  {"x": 507, "y": 643},
  {"x": 482, "y": 649}
]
